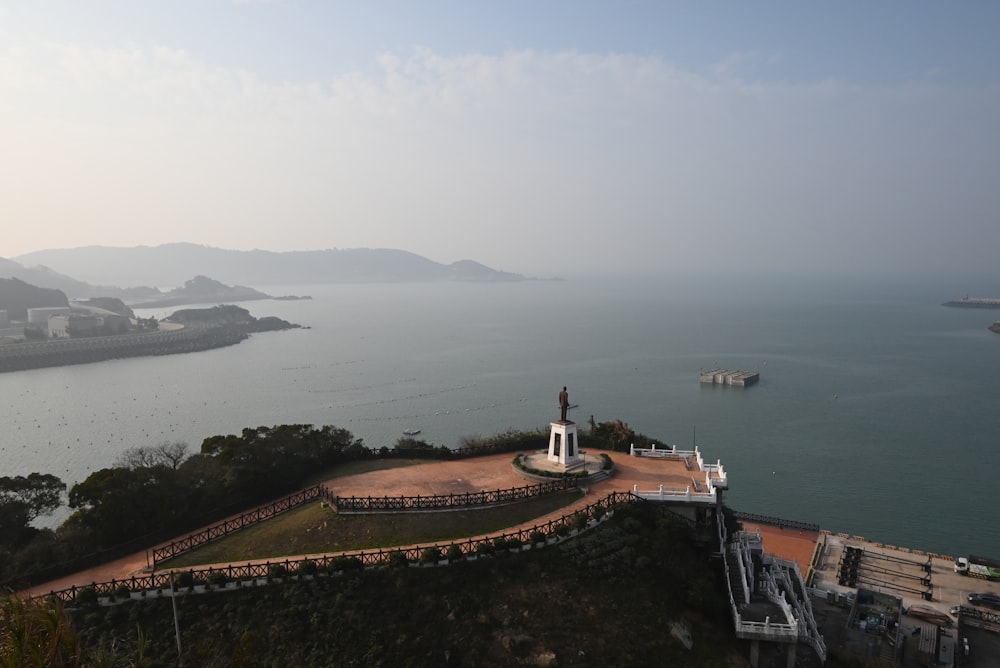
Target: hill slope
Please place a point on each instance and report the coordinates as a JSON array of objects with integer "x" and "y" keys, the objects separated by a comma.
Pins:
[
  {"x": 16, "y": 297},
  {"x": 605, "y": 598}
]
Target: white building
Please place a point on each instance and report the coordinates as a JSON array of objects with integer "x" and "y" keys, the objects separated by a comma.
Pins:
[{"x": 40, "y": 316}]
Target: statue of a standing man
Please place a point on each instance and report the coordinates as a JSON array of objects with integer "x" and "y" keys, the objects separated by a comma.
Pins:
[{"x": 563, "y": 404}]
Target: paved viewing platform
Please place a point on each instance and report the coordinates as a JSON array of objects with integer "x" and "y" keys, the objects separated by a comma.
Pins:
[{"x": 490, "y": 472}]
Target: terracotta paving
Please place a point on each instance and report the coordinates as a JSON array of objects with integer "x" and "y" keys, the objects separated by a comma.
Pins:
[
  {"x": 791, "y": 544},
  {"x": 430, "y": 478}
]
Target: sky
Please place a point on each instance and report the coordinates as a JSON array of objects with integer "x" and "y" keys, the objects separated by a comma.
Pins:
[{"x": 546, "y": 138}]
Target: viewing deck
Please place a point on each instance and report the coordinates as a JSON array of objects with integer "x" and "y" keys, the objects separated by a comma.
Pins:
[{"x": 685, "y": 476}]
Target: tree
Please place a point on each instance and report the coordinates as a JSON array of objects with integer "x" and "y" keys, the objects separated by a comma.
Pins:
[
  {"x": 41, "y": 493},
  {"x": 119, "y": 503},
  {"x": 615, "y": 435},
  {"x": 168, "y": 454},
  {"x": 24, "y": 499}
]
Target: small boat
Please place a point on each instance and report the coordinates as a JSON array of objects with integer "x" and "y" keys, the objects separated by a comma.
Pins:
[{"x": 411, "y": 432}]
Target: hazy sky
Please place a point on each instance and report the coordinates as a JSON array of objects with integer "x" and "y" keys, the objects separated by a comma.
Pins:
[{"x": 537, "y": 137}]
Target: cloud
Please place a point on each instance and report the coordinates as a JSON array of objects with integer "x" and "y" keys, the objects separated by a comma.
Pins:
[{"x": 626, "y": 159}]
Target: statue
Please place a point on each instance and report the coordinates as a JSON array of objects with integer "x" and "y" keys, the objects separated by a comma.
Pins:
[{"x": 563, "y": 404}]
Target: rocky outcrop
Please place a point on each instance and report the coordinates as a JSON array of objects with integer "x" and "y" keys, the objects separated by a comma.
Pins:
[{"x": 229, "y": 316}]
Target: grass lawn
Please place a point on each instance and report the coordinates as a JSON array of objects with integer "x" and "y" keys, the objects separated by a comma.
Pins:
[{"x": 313, "y": 529}]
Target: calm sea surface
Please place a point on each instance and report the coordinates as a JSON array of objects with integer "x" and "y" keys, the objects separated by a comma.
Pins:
[{"x": 876, "y": 412}]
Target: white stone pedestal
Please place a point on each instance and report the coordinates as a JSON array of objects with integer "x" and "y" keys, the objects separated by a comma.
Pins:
[{"x": 564, "y": 447}]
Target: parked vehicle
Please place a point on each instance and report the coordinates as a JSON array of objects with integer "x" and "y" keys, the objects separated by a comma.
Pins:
[
  {"x": 986, "y": 599},
  {"x": 978, "y": 567}
]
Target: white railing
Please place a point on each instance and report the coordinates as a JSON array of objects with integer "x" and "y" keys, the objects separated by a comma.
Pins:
[
  {"x": 661, "y": 453},
  {"x": 776, "y": 585},
  {"x": 765, "y": 630},
  {"x": 745, "y": 576},
  {"x": 675, "y": 494},
  {"x": 672, "y": 453},
  {"x": 809, "y": 630}
]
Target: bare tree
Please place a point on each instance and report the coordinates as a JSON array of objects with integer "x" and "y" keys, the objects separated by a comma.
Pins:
[{"x": 168, "y": 454}]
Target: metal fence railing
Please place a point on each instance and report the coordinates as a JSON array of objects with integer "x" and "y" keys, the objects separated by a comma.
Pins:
[{"x": 219, "y": 576}]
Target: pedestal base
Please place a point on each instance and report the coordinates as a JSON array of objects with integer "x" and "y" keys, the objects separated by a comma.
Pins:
[{"x": 563, "y": 444}]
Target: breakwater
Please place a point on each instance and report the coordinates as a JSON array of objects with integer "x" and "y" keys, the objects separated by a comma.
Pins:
[
  {"x": 37, "y": 355},
  {"x": 974, "y": 302}
]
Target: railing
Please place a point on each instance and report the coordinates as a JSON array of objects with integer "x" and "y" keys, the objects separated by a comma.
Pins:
[
  {"x": 766, "y": 630},
  {"x": 808, "y": 628},
  {"x": 776, "y": 521},
  {"x": 675, "y": 494},
  {"x": 555, "y": 529},
  {"x": 177, "y": 547},
  {"x": 693, "y": 459},
  {"x": 376, "y": 504}
]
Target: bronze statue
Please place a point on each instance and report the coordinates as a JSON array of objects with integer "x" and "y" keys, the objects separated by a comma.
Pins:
[{"x": 563, "y": 404}]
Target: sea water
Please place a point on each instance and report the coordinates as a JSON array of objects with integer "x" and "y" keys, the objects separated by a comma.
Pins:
[{"x": 875, "y": 413}]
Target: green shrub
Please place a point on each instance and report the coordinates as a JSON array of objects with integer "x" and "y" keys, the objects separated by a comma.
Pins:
[
  {"x": 307, "y": 567},
  {"x": 345, "y": 564},
  {"x": 217, "y": 579},
  {"x": 484, "y": 548},
  {"x": 185, "y": 579},
  {"x": 454, "y": 553},
  {"x": 397, "y": 559},
  {"x": 431, "y": 555},
  {"x": 276, "y": 571},
  {"x": 86, "y": 596},
  {"x": 536, "y": 537}
]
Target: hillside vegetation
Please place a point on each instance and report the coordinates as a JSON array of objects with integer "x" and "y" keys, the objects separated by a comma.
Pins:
[{"x": 604, "y": 598}]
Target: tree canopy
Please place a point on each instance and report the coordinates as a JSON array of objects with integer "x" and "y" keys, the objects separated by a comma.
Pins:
[{"x": 22, "y": 500}]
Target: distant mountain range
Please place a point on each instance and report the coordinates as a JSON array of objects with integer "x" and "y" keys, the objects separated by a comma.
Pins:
[{"x": 171, "y": 265}]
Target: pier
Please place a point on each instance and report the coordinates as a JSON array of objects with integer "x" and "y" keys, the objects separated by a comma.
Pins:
[{"x": 729, "y": 377}]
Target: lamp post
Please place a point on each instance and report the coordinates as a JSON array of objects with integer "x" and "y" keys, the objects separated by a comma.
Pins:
[{"x": 177, "y": 626}]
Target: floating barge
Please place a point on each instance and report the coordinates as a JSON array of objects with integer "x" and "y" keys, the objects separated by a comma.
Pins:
[{"x": 729, "y": 377}]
